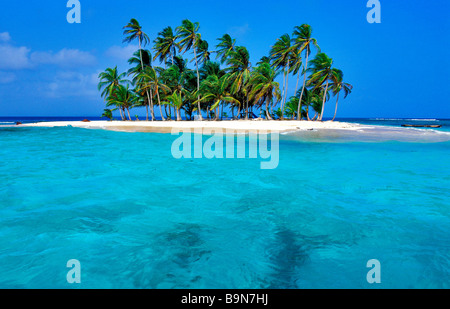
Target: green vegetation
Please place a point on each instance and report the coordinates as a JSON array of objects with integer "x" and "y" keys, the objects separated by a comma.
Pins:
[{"x": 230, "y": 84}]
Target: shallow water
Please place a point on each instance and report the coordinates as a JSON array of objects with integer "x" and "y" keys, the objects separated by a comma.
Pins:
[{"x": 135, "y": 217}]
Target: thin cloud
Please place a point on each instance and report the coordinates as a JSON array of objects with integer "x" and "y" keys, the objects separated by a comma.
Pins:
[
  {"x": 4, "y": 37},
  {"x": 239, "y": 31},
  {"x": 17, "y": 58},
  {"x": 71, "y": 84},
  {"x": 14, "y": 58},
  {"x": 64, "y": 58},
  {"x": 122, "y": 52}
]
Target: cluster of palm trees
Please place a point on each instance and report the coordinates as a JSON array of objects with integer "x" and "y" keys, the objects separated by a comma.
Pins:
[{"x": 211, "y": 90}]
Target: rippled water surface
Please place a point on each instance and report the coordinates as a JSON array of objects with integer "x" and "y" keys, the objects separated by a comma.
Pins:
[{"x": 135, "y": 217}]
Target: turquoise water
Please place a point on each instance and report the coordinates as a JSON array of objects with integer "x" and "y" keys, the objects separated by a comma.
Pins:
[{"x": 135, "y": 217}]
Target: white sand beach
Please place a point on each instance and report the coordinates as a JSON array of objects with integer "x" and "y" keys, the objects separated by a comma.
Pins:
[{"x": 238, "y": 125}]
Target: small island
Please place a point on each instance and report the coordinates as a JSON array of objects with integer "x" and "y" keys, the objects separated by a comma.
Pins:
[{"x": 229, "y": 86}]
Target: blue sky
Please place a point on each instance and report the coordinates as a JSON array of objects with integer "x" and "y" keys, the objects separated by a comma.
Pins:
[{"x": 399, "y": 68}]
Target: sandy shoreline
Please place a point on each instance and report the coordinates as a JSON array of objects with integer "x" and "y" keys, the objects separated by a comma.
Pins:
[
  {"x": 304, "y": 130},
  {"x": 239, "y": 126}
]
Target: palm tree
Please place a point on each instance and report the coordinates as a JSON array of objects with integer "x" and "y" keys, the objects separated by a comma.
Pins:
[
  {"x": 322, "y": 73},
  {"x": 281, "y": 56},
  {"x": 264, "y": 59},
  {"x": 203, "y": 54},
  {"x": 239, "y": 67},
  {"x": 176, "y": 100},
  {"x": 165, "y": 45},
  {"x": 310, "y": 96},
  {"x": 215, "y": 89},
  {"x": 152, "y": 80},
  {"x": 339, "y": 86},
  {"x": 265, "y": 88},
  {"x": 291, "y": 107},
  {"x": 225, "y": 46},
  {"x": 189, "y": 37},
  {"x": 107, "y": 113},
  {"x": 133, "y": 31},
  {"x": 141, "y": 57},
  {"x": 316, "y": 101},
  {"x": 211, "y": 68},
  {"x": 302, "y": 40},
  {"x": 109, "y": 80},
  {"x": 296, "y": 67},
  {"x": 124, "y": 98}
]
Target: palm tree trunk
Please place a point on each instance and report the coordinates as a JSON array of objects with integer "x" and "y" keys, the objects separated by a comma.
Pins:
[
  {"x": 267, "y": 110},
  {"x": 298, "y": 79},
  {"x": 284, "y": 88},
  {"x": 303, "y": 90},
  {"x": 129, "y": 116},
  {"x": 198, "y": 84},
  {"x": 285, "y": 93},
  {"x": 152, "y": 108},
  {"x": 246, "y": 108},
  {"x": 120, "y": 111},
  {"x": 335, "y": 111},
  {"x": 160, "y": 109},
  {"x": 178, "y": 114},
  {"x": 142, "y": 67},
  {"x": 323, "y": 102},
  {"x": 146, "y": 108}
]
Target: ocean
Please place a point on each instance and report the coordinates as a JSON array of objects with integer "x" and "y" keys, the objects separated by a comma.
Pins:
[{"x": 136, "y": 217}]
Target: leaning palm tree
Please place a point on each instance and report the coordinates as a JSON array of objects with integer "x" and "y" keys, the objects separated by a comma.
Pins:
[
  {"x": 291, "y": 107},
  {"x": 188, "y": 35},
  {"x": 109, "y": 80},
  {"x": 338, "y": 86},
  {"x": 211, "y": 68},
  {"x": 281, "y": 56},
  {"x": 152, "y": 80},
  {"x": 165, "y": 45},
  {"x": 322, "y": 73},
  {"x": 107, "y": 113},
  {"x": 265, "y": 88},
  {"x": 124, "y": 98},
  {"x": 133, "y": 31},
  {"x": 239, "y": 67},
  {"x": 225, "y": 46},
  {"x": 302, "y": 40},
  {"x": 216, "y": 90},
  {"x": 176, "y": 100},
  {"x": 141, "y": 57},
  {"x": 203, "y": 54},
  {"x": 296, "y": 67},
  {"x": 264, "y": 59}
]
